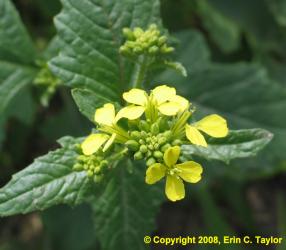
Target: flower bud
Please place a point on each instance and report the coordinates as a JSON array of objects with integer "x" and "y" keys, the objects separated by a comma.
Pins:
[
  {"x": 150, "y": 161},
  {"x": 158, "y": 154},
  {"x": 143, "y": 149},
  {"x": 143, "y": 125},
  {"x": 77, "y": 167},
  {"x": 165, "y": 147},
  {"x": 97, "y": 170},
  {"x": 89, "y": 173},
  {"x": 142, "y": 142},
  {"x": 168, "y": 134},
  {"x": 162, "y": 40},
  {"x": 155, "y": 128},
  {"x": 103, "y": 163},
  {"x": 128, "y": 34},
  {"x": 132, "y": 145},
  {"x": 97, "y": 178},
  {"x": 153, "y": 50},
  {"x": 177, "y": 142},
  {"x": 138, "y": 156},
  {"x": 162, "y": 140},
  {"x": 135, "y": 135}
]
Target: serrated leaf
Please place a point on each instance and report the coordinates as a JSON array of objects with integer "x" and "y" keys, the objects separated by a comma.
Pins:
[
  {"x": 125, "y": 211},
  {"x": 224, "y": 31},
  {"x": 48, "y": 181},
  {"x": 16, "y": 54},
  {"x": 240, "y": 92},
  {"x": 15, "y": 43},
  {"x": 92, "y": 34},
  {"x": 87, "y": 101},
  {"x": 238, "y": 144}
]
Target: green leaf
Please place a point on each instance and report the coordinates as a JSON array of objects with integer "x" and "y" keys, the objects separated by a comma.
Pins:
[
  {"x": 12, "y": 80},
  {"x": 92, "y": 34},
  {"x": 224, "y": 31},
  {"x": 240, "y": 92},
  {"x": 16, "y": 54},
  {"x": 238, "y": 144},
  {"x": 278, "y": 8},
  {"x": 15, "y": 43},
  {"x": 125, "y": 211},
  {"x": 87, "y": 101},
  {"x": 48, "y": 181}
]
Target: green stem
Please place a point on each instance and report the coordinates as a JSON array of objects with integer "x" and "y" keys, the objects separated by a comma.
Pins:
[{"x": 141, "y": 69}]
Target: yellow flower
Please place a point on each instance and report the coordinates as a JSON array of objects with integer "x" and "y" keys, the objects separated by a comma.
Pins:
[
  {"x": 163, "y": 98},
  {"x": 213, "y": 125},
  {"x": 189, "y": 171},
  {"x": 107, "y": 119}
]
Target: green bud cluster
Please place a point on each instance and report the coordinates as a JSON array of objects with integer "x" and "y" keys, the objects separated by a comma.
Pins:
[
  {"x": 150, "y": 141},
  {"x": 145, "y": 42},
  {"x": 94, "y": 165}
]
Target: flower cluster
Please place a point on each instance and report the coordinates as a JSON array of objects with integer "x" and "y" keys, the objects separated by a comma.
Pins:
[
  {"x": 152, "y": 127},
  {"x": 145, "y": 42}
]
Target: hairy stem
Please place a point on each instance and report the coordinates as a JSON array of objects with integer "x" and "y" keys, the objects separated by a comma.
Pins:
[{"x": 141, "y": 69}]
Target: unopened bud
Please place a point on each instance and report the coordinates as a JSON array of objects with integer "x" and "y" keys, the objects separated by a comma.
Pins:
[
  {"x": 153, "y": 50},
  {"x": 143, "y": 149},
  {"x": 97, "y": 170},
  {"x": 77, "y": 167},
  {"x": 177, "y": 142},
  {"x": 132, "y": 145},
  {"x": 162, "y": 140},
  {"x": 155, "y": 129},
  {"x": 138, "y": 156},
  {"x": 158, "y": 154},
  {"x": 150, "y": 161},
  {"x": 135, "y": 135},
  {"x": 128, "y": 34},
  {"x": 98, "y": 178},
  {"x": 165, "y": 147},
  {"x": 168, "y": 134},
  {"x": 162, "y": 40},
  {"x": 143, "y": 125}
]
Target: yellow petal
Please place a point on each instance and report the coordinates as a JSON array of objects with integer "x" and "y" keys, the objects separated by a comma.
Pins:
[
  {"x": 195, "y": 136},
  {"x": 109, "y": 142},
  {"x": 213, "y": 125},
  {"x": 136, "y": 96},
  {"x": 163, "y": 93},
  {"x": 191, "y": 171},
  {"x": 169, "y": 108},
  {"x": 155, "y": 173},
  {"x": 93, "y": 142},
  {"x": 171, "y": 155},
  {"x": 130, "y": 112},
  {"x": 174, "y": 189},
  {"x": 182, "y": 102},
  {"x": 105, "y": 115}
]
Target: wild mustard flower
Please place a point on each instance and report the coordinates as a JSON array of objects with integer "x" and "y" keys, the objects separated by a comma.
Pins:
[
  {"x": 106, "y": 119},
  {"x": 189, "y": 171},
  {"x": 213, "y": 125},
  {"x": 162, "y": 98},
  {"x": 157, "y": 125}
]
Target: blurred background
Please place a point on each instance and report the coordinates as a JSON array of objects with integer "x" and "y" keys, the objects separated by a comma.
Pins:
[{"x": 236, "y": 56}]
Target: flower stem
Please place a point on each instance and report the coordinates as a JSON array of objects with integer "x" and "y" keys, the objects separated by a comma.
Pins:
[{"x": 141, "y": 69}]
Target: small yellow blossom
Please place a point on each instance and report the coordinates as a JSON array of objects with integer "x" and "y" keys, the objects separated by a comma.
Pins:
[
  {"x": 189, "y": 171},
  {"x": 163, "y": 98},
  {"x": 213, "y": 125},
  {"x": 107, "y": 119}
]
